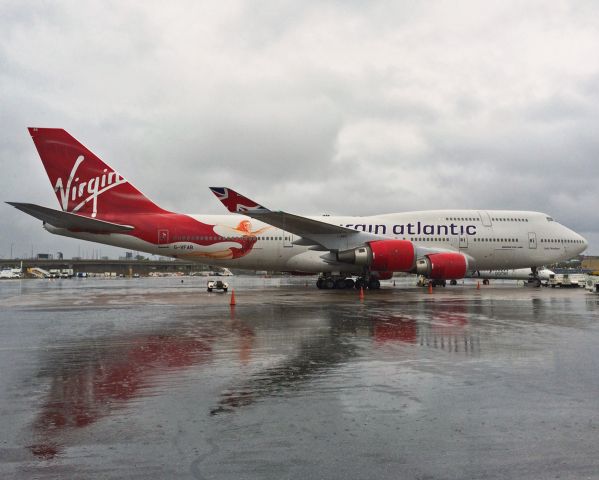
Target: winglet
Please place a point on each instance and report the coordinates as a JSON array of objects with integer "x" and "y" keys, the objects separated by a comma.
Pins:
[{"x": 237, "y": 203}]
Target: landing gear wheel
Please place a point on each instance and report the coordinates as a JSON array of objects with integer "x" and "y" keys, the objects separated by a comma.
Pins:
[
  {"x": 340, "y": 284},
  {"x": 453, "y": 282},
  {"x": 349, "y": 283},
  {"x": 486, "y": 281},
  {"x": 320, "y": 283},
  {"x": 374, "y": 284},
  {"x": 329, "y": 283}
]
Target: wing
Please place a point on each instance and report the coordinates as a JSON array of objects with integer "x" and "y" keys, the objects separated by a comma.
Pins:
[
  {"x": 312, "y": 232},
  {"x": 70, "y": 221}
]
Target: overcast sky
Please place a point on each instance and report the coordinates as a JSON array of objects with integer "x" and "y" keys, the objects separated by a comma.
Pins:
[{"x": 313, "y": 107}]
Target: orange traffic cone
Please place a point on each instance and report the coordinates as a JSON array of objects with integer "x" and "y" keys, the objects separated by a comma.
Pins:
[
  {"x": 232, "y": 302},
  {"x": 361, "y": 293},
  {"x": 430, "y": 287},
  {"x": 478, "y": 285}
]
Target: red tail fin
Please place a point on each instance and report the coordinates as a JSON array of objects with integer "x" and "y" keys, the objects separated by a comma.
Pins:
[{"x": 83, "y": 183}]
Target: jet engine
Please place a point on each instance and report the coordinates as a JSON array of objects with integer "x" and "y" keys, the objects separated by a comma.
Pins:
[
  {"x": 382, "y": 255},
  {"x": 443, "y": 266}
]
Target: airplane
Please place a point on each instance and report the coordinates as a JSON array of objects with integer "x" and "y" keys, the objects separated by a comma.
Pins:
[
  {"x": 543, "y": 274},
  {"x": 99, "y": 205}
]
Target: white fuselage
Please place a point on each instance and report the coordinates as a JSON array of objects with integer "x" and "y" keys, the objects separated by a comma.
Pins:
[{"x": 492, "y": 239}]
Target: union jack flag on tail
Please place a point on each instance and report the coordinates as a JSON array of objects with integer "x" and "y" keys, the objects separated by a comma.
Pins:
[{"x": 237, "y": 203}]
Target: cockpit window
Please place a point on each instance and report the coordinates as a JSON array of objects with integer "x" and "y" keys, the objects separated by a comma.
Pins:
[{"x": 549, "y": 219}]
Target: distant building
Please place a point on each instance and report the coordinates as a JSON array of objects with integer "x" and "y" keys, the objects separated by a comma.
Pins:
[
  {"x": 43, "y": 256},
  {"x": 590, "y": 263}
]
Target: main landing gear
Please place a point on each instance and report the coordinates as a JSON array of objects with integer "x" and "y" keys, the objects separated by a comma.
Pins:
[{"x": 341, "y": 283}]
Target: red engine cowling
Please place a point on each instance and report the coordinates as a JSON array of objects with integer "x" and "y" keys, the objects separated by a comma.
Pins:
[
  {"x": 443, "y": 266},
  {"x": 382, "y": 256},
  {"x": 392, "y": 255}
]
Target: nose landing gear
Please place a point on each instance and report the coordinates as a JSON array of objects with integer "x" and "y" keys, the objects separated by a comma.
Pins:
[{"x": 534, "y": 280}]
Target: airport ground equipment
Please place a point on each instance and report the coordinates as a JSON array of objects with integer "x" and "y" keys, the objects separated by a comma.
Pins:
[
  {"x": 39, "y": 272},
  {"x": 566, "y": 280},
  {"x": 217, "y": 285},
  {"x": 592, "y": 283},
  {"x": 11, "y": 273}
]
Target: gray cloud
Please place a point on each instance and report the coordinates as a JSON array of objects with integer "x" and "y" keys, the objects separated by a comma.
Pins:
[{"x": 314, "y": 107}]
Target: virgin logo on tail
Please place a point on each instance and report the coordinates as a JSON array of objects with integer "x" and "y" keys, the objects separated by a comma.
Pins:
[{"x": 86, "y": 190}]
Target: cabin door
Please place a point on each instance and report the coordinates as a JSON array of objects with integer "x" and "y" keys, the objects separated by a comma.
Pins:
[
  {"x": 532, "y": 240},
  {"x": 287, "y": 240}
]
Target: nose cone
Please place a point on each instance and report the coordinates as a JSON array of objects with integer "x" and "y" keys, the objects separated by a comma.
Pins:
[{"x": 583, "y": 243}]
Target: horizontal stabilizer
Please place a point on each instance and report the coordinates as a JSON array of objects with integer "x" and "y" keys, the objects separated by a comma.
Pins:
[{"x": 70, "y": 221}]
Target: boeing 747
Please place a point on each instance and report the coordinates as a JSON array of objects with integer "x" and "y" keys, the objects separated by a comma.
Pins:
[{"x": 99, "y": 205}]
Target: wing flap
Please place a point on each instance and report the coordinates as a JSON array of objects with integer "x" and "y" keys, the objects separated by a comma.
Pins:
[{"x": 70, "y": 221}]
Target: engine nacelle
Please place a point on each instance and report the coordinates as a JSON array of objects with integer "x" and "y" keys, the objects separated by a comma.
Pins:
[
  {"x": 443, "y": 266},
  {"x": 382, "y": 256}
]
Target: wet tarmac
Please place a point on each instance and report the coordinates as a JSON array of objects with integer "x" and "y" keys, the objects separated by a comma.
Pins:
[{"x": 154, "y": 378}]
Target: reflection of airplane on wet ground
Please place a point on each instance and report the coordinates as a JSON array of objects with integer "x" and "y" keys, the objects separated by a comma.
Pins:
[
  {"x": 92, "y": 379},
  {"x": 99, "y": 205},
  {"x": 447, "y": 331},
  {"x": 90, "y": 382}
]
